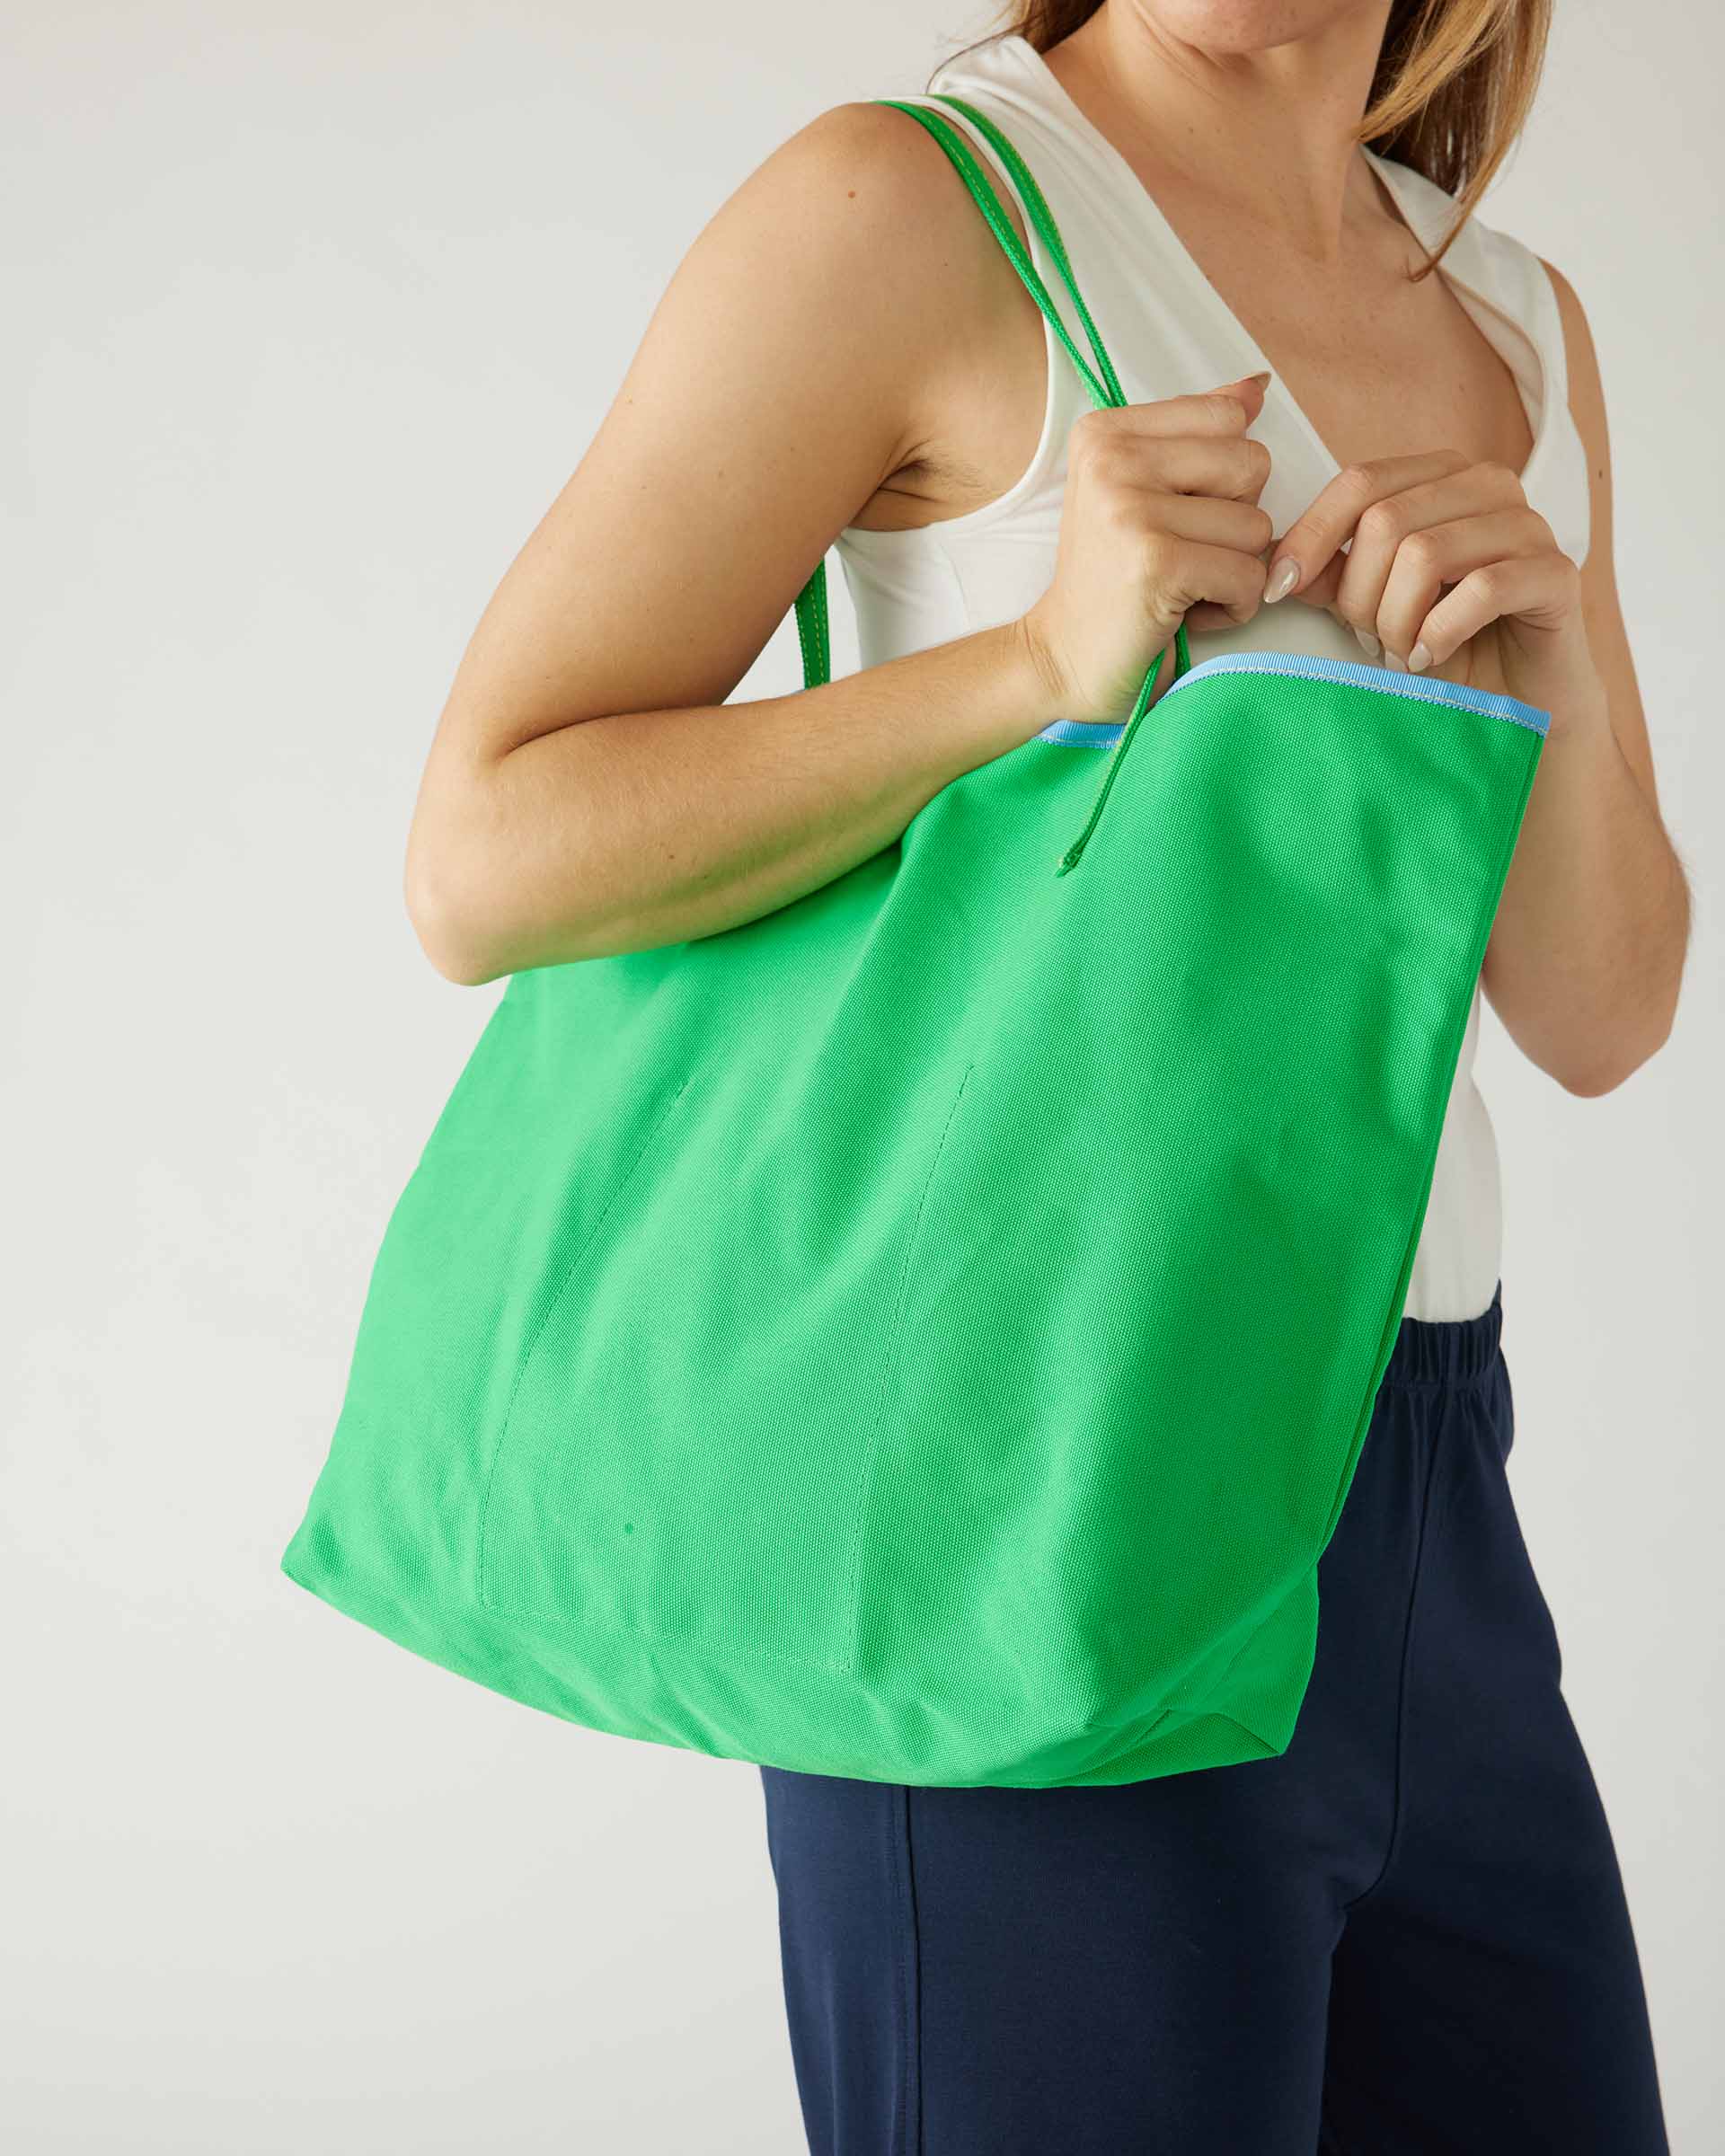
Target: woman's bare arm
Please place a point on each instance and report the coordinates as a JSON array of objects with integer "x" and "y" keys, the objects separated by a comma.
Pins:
[
  {"x": 1588, "y": 952},
  {"x": 588, "y": 790}
]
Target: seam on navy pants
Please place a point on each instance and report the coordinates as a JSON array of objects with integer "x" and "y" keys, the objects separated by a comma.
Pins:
[
  {"x": 910, "y": 1985},
  {"x": 1431, "y": 1508}
]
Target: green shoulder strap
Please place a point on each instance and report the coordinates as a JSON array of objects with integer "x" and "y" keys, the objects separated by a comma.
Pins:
[
  {"x": 1043, "y": 218},
  {"x": 1101, "y": 384}
]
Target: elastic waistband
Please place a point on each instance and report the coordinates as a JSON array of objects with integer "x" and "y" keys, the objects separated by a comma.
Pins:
[{"x": 1447, "y": 1351}]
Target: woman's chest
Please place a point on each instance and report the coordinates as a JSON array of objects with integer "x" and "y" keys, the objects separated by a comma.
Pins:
[{"x": 1383, "y": 368}]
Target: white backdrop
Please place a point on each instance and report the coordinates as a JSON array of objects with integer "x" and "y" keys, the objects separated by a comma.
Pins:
[{"x": 313, "y": 307}]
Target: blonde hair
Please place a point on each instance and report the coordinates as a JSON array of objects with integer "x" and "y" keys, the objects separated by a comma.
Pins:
[{"x": 1451, "y": 89}]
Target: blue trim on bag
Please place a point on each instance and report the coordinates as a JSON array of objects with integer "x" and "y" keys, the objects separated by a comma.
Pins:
[
  {"x": 1428, "y": 688},
  {"x": 1087, "y": 733},
  {"x": 1424, "y": 688}
]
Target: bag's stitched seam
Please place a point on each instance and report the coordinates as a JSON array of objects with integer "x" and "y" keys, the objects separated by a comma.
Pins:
[
  {"x": 552, "y": 1305},
  {"x": 888, "y": 1362},
  {"x": 809, "y": 668}
]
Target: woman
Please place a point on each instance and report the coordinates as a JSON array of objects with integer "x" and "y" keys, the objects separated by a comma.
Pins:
[{"x": 1408, "y": 1933}]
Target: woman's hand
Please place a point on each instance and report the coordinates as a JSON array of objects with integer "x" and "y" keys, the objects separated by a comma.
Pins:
[
  {"x": 1160, "y": 523},
  {"x": 1447, "y": 569}
]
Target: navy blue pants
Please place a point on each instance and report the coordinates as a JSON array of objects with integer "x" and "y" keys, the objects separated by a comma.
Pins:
[{"x": 1405, "y": 1937}]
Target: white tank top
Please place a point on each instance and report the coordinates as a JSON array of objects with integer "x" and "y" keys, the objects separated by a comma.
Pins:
[{"x": 1169, "y": 332}]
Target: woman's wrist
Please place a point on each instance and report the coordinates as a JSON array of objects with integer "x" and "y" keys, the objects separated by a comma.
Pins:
[
  {"x": 1039, "y": 681},
  {"x": 1022, "y": 692}
]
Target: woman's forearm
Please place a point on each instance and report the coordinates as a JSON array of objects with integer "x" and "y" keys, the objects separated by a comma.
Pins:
[
  {"x": 1587, "y": 956},
  {"x": 624, "y": 833}
]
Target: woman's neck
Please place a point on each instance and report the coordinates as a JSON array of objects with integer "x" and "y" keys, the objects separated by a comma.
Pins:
[{"x": 1269, "y": 134}]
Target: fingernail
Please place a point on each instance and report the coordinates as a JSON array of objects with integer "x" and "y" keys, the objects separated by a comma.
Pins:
[
  {"x": 1368, "y": 643},
  {"x": 1419, "y": 657},
  {"x": 1283, "y": 577},
  {"x": 1262, "y": 380},
  {"x": 1397, "y": 665}
]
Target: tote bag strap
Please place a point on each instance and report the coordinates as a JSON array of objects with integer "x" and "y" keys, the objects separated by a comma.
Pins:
[
  {"x": 1101, "y": 384},
  {"x": 1042, "y": 219},
  {"x": 812, "y": 601}
]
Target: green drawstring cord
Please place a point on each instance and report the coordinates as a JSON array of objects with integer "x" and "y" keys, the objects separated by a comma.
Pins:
[
  {"x": 1103, "y": 386},
  {"x": 1183, "y": 662}
]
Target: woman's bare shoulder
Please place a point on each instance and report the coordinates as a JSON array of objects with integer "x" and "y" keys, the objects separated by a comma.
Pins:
[{"x": 877, "y": 210}]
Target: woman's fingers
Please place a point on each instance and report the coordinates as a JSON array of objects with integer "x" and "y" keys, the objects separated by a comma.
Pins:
[
  {"x": 1203, "y": 448},
  {"x": 1219, "y": 518},
  {"x": 1360, "y": 575},
  {"x": 1310, "y": 546},
  {"x": 1234, "y": 467},
  {"x": 1392, "y": 607},
  {"x": 1421, "y": 525},
  {"x": 1225, "y": 580},
  {"x": 1540, "y": 590},
  {"x": 1228, "y": 409}
]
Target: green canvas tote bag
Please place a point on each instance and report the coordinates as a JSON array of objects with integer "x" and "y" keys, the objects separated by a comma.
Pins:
[{"x": 925, "y": 1333}]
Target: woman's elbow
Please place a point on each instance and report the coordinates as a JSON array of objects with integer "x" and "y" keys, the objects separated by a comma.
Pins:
[
  {"x": 484, "y": 904},
  {"x": 453, "y": 930},
  {"x": 448, "y": 941},
  {"x": 1613, "y": 1062},
  {"x": 1593, "y": 1080}
]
